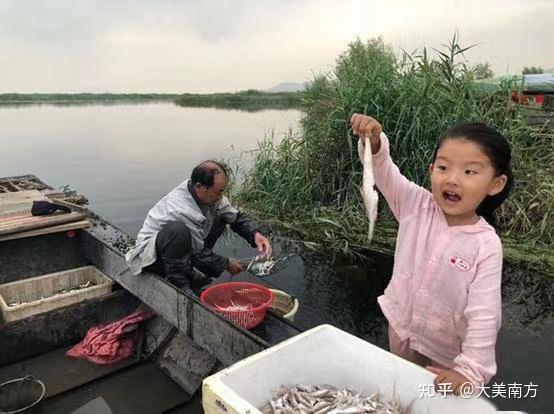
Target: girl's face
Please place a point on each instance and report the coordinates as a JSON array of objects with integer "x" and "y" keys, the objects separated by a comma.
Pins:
[{"x": 461, "y": 177}]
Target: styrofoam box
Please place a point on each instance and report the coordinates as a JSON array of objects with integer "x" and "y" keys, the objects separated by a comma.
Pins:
[
  {"x": 40, "y": 294},
  {"x": 327, "y": 355}
]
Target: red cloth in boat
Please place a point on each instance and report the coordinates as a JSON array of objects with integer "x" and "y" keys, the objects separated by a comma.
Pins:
[{"x": 107, "y": 344}]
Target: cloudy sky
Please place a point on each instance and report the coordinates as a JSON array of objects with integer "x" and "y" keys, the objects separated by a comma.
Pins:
[{"x": 229, "y": 45}]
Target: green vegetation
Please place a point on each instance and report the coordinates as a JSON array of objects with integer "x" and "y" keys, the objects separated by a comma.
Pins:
[
  {"x": 309, "y": 185},
  {"x": 483, "y": 71},
  {"x": 249, "y": 100},
  {"x": 532, "y": 70},
  {"x": 81, "y": 98}
]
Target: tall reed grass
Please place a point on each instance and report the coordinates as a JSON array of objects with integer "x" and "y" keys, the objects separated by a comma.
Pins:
[{"x": 309, "y": 184}]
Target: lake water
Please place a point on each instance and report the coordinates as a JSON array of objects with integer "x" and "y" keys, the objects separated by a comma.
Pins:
[{"x": 124, "y": 158}]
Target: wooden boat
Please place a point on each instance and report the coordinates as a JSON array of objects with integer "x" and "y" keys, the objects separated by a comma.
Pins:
[{"x": 186, "y": 342}]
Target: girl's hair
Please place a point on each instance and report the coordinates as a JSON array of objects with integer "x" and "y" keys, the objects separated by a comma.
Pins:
[{"x": 496, "y": 147}]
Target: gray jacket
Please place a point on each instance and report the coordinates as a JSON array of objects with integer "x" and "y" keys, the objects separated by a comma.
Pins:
[{"x": 180, "y": 205}]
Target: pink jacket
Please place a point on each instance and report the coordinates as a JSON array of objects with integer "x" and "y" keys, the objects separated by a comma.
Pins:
[{"x": 444, "y": 294}]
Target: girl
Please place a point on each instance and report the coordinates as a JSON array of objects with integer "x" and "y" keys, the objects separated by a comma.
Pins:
[{"x": 443, "y": 302}]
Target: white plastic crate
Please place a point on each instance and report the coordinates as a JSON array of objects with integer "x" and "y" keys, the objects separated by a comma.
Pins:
[
  {"x": 326, "y": 355},
  {"x": 40, "y": 294}
]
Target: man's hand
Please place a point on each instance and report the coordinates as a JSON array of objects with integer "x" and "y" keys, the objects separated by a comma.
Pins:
[
  {"x": 450, "y": 376},
  {"x": 234, "y": 267},
  {"x": 263, "y": 245}
]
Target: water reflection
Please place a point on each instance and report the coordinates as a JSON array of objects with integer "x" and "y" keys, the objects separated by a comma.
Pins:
[
  {"x": 126, "y": 157},
  {"x": 227, "y": 106}
]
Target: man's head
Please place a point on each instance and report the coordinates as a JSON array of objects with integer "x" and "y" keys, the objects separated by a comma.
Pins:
[{"x": 209, "y": 180}]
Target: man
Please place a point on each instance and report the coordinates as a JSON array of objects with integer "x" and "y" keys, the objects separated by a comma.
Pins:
[{"x": 180, "y": 231}]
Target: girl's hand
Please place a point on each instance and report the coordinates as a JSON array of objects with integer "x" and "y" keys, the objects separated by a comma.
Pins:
[
  {"x": 367, "y": 127},
  {"x": 459, "y": 383}
]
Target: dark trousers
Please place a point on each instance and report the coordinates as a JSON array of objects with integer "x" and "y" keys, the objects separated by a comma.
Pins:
[{"x": 175, "y": 259}]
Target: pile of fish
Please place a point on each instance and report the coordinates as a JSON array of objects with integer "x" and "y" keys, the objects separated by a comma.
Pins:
[
  {"x": 260, "y": 267},
  {"x": 264, "y": 267},
  {"x": 60, "y": 292},
  {"x": 327, "y": 399},
  {"x": 16, "y": 303},
  {"x": 73, "y": 289},
  {"x": 235, "y": 307}
]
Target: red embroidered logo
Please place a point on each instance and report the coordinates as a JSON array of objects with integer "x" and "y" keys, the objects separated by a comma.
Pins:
[{"x": 460, "y": 263}]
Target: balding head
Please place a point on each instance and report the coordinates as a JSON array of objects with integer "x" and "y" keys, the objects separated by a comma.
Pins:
[
  {"x": 205, "y": 172},
  {"x": 209, "y": 180}
]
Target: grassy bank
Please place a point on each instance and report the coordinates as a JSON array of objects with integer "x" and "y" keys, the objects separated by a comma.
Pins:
[
  {"x": 250, "y": 100},
  {"x": 308, "y": 185},
  {"x": 78, "y": 98}
]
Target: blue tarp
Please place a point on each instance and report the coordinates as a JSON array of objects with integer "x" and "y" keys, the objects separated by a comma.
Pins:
[
  {"x": 540, "y": 83},
  {"x": 543, "y": 82}
]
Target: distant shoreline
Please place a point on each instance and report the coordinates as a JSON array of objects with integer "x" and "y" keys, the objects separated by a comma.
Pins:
[
  {"x": 248, "y": 100},
  {"x": 81, "y": 97}
]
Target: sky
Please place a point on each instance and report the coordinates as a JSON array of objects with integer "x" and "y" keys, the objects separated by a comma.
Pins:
[{"x": 176, "y": 46}]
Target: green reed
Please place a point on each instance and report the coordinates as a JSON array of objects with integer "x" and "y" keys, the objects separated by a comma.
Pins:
[{"x": 309, "y": 184}]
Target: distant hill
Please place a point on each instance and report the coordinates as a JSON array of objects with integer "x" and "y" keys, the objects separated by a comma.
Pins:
[
  {"x": 288, "y": 87},
  {"x": 551, "y": 70}
]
